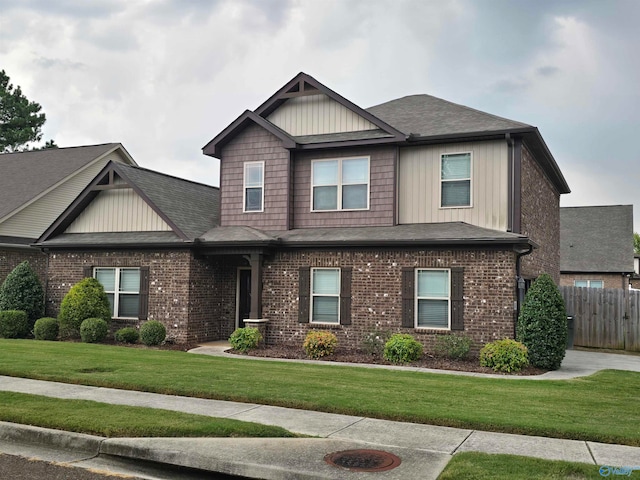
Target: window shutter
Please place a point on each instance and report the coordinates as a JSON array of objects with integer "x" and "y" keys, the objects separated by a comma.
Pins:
[
  {"x": 87, "y": 271},
  {"x": 345, "y": 296},
  {"x": 304, "y": 286},
  {"x": 143, "y": 298},
  {"x": 457, "y": 298},
  {"x": 408, "y": 295}
]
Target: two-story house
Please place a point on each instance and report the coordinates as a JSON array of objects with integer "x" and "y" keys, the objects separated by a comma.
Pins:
[{"x": 417, "y": 215}]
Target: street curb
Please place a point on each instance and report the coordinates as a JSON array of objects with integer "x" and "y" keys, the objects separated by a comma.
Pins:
[{"x": 51, "y": 438}]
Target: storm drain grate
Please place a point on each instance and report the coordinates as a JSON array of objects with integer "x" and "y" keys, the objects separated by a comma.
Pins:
[{"x": 363, "y": 460}]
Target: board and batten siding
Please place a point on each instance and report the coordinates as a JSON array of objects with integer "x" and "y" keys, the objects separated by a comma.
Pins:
[
  {"x": 118, "y": 210},
  {"x": 317, "y": 115},
  {"x": 35, "y": 218},
  {"x": 419, "y": 185}
]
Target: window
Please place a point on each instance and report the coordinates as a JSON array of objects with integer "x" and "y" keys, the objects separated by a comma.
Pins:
[
  {"x": 325, "y": 295},
  {"x": 589, "y": 283},
  {"x": 340, "y": 184},
  {"x": 253, "y": 186},
  {"x": 122, "y": 286},
  {"x": 432, "y": 298},
  {"x": 455, "y": 180}
]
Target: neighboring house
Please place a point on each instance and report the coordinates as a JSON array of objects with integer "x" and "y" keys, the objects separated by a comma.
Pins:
[
  {"x": 635, "y": 278},
  {"x": 596, "y": 246},
  {"x": 36, "y": 187},
  {"x": 417, "y": 215}
]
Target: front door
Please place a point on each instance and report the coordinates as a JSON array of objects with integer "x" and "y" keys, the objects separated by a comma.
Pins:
[{"x": 244, "y": 296}]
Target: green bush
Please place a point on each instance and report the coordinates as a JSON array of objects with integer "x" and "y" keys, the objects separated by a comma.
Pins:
[
  {"x": 454, "y": 346},
  {"x": 504, "y": 356},
  {"x": 373, "y": 342},
  {"x": 22, "y": 290},
  {"x": 93, "y": 330},
  {"x": 542, "y": 324},
  {"x": 245, "y": 339},
  {"x": 86, "y": 299},
  {"x": 152, "y": 333},
  {"x": 319, "y": 343},
  {"x": 46, "y": 328},
  {"x": 14, "y": 324},
  {"x": 127, "y": 335},
  {"x": 402, "y": 348}
]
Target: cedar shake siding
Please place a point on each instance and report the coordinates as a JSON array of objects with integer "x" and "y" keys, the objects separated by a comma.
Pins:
[
  {"x": 381, "y": 212},
  {"x": 540, "y": 220},
  {"x": 376, "y": 292},
  {"x": 255, "y": 144}
]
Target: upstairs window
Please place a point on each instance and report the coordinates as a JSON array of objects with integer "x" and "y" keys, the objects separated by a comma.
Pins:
[
  {"x": 589, "y": 283},
  {"x": 455, "y": 180},
  {"x": 340, "y": 184},
  {"x": 253, "y": 187},
  {"x": 122, "y": 286}
]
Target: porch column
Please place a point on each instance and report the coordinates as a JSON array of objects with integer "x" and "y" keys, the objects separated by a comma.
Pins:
[{"x": 256, "y": 285}]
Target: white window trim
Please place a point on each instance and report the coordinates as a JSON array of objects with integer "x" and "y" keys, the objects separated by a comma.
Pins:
[
  {"x": 415, "y": 307},
  {"x": 244, "y": 188},
  {"x": 117, "y": 292},
  {"x": 440, "y": 180},
  {"x": 340, "y": 184},
  {"x": 313, "y": 295},
  {"x": 588, "y": 283}
]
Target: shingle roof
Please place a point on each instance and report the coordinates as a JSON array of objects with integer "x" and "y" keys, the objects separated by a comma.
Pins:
[
  {"x": 25, "y": 175},
  {"x": 119, "y": 239},
  {"x": 596, "y": 239},
  {"x": 426, "y": 115}
]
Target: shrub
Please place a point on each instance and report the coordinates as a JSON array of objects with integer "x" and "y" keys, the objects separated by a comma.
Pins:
[
  {"x": 402, "y": 348},
  {"x": 46, "y": 328},
  {"x": 245, "y": 339},
  {"x": 22, "y": 290},
  {"x": 152, "y": 333},
  {"x": 86, "y": 299},
  {"x": 373, "y": 342},
  {"x": 504, "y": 356},
  {"x": 93, "y": 330},
  {"x": 127, "y": 335},
  {"x": 14, "y": 324},
  {"x": 542, "y": 325},
  {"x": 453, "y": 346},
  {"x": 319, "y": 343}
]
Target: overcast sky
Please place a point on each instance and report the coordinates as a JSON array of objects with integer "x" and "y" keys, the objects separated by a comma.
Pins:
[{"x": 164, "y": 77}]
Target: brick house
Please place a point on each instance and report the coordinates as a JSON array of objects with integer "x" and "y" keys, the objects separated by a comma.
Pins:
[
  {"x": 417, "y": 215},
  {"x": 596, "y": 246},
  {"x": 36, "y": 187}
]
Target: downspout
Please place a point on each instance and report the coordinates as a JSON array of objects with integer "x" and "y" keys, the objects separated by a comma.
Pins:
[
  {"x": 510, "y": 198},
  {"x": 520, "y": 286}
]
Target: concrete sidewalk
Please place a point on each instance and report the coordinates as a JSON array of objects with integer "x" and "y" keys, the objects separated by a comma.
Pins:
[{"x": 424, "y": 450}]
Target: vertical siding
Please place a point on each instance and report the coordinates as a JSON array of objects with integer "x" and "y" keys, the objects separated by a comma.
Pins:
[
  {"x": 34, "y": 219},
  {"x": 315, "y": 115},
  {"x": 119, "y": 210},
  {"x": 419, "y": 185},
  {"x": 381, "y": 197}
]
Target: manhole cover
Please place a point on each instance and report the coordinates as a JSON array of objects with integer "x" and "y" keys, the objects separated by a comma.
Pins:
[{"x": 363, "y": 460}]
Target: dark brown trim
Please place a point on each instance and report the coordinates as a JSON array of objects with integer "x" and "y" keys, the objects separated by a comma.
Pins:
[
  {"x": 345, "y": 295},
  {"x": 143, "y": 298},
  {"x": 516, "y": 226},
  {"x": 348, "y": 143},
  {"x": 256, "y": 286},
  {"x": 457, "y": 298},
  {"x": 408, "y": 297},
  {"x": 304, "y": 292},
  {"x": 87, "y": 271}
]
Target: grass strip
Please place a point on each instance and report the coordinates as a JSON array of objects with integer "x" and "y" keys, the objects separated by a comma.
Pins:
[
  {"x": 483, "y": 466},
  {"x": 601, "y": 407},
  {"x": 105, "y": 420}
]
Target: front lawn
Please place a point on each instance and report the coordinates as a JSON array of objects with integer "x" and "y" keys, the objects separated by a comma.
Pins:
[{"x": 602, "y": 407}]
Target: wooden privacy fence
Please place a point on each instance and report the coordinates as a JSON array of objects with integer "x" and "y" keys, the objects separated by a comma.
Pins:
[{"x": 604, "y": 317}]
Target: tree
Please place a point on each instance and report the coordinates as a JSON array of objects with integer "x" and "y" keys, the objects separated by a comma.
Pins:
[
  {"x": 20, "y": 119},
  {"x": 86, "y": 299},
  {"x": 636, "y": 243},
  {"x": 22, "y": 290}
]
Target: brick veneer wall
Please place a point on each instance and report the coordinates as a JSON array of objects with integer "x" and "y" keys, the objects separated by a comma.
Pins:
[
  {"x": 182, "y": 293},
  {"x": 611, "y": 280},
  {"x": 11, "y": 258},
  {"x": 540, "y": 220},
  {"x": 376, "y": 300}
]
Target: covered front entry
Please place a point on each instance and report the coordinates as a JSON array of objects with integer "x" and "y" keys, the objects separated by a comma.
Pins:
[{"x": 243, "y": 296}]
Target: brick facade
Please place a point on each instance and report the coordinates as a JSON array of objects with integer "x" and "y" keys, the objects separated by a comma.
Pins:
[
  {"x": 11, "y": 258},
  {"x": 611, "y": 280},
  {"x": 540, "y": 220}
]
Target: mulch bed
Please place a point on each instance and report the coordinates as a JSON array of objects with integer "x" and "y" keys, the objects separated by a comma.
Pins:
[{"x": 471, "y": 364}]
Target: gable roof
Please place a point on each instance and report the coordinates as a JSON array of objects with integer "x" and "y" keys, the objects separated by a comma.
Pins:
[
  {"x": 189, "y": 208},
  {"x": 27, "y": 175},
  {"x": 596, "y": 239}
]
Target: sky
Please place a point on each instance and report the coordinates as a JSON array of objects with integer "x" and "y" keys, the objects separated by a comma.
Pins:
[{"x": 163, "y": 77}]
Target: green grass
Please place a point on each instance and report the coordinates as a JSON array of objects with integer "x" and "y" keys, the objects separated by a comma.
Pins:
[
  {"x": 96, "y": 418},
  {"x": 482, "y": 466},
  {"x": 602, "y": 407}
]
